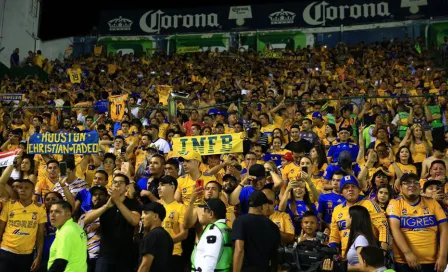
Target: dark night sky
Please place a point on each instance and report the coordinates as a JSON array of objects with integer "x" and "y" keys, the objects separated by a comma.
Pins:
[{"x": 76, "y": 18}]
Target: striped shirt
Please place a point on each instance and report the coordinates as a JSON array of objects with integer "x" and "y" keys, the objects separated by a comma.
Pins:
[
  {"x": 74, "y": 187},
  {"x": 93, "y": 236}
]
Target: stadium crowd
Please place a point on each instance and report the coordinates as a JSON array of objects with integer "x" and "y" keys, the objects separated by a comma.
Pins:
[{"x": 343, "y": 147}]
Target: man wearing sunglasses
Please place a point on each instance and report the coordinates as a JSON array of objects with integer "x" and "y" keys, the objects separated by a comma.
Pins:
[{"x": 419, "y": 228}]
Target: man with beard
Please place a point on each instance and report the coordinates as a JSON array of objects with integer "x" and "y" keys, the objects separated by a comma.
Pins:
[
  {"x": 229, "y": 184},
  {"x": 149, "y": 186},
  {"x": 255, "y": 181},
  {"x": 349, "y": 189},
  {"x": 83, "y": 200},
  {"x": 66, "y": 126},
  {"x": 98, "y": 197},
  {"x": 419, "y": 228}
]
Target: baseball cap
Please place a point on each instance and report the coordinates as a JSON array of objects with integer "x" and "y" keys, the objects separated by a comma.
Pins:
[
  {"x": 213, "y": 111},
  {"x": 156, "y": 208},
  {"x": 191, "y": 155},
  {"x": 317, "y": 115},
  {"x": 168, "y": 180},
  {"x": 348, "y": 180},
  {"x": 98, "y": 187},
  {"x": 217, "y": 206},
  {"x": 288, "y": 156},
  {"x": 257, "y": 170},
  {"x": 229, "y": 176},
  {"x": 257, "y": 199},
  {"x": 431, "y": 182}
]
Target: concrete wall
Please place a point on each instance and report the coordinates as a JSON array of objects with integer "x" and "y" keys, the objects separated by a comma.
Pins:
[
  {"x": 55, "y": 49},
  {"x": 19, "y": 22}
]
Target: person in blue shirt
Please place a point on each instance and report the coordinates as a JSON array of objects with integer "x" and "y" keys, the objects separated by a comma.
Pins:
[
  {"x": 257, "y": 180},
  {"x": 83, "y": 199},
  {"x": 345, "y": 164},
  {"x": 327, "y": 202},
  {"x": 344, "y": 144}
]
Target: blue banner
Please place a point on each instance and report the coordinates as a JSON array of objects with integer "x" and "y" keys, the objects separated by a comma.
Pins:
[
  {"x": 63, "y": 143},
  {"x": 273, "y": 157},
  {"x": 11, "y": 97}
]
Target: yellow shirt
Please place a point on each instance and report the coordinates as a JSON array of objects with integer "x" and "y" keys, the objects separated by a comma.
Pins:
[
  {"x": 75, "y": 75},
  {"x": 21, "y": 226},
  {"x": 42, "y": 166},
  {"x": 43, "y": 187},
  {"x": 419, "y": 226},
  {"x": 283, "y": 221},
  {"x": 163, "y": 128},
  {"x": 420, "y": 153},
  {"x": 405, "y": 169},
  {"x": 174, "y": 217},
  {"x": 320, "y": 132},
  {"x": 339, "y": 231},
  {"x": 290, "y": 172},
  {"x": 186, "y": 186}
]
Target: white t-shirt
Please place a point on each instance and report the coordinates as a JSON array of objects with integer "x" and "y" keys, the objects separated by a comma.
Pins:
[
  {"x": 162, "y": 145},
  {"x": 352, "y": 254}
]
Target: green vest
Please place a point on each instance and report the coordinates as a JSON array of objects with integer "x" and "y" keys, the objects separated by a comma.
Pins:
[
  {"x": 435, "y": 109},
  {"x": 226, "y": 256},
  {"x": 403, "y": 120}
]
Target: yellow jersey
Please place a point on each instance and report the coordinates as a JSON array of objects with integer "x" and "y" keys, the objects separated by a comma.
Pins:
[
  {"x": 291, "y": 172},
  {"x": 320, "y": 132},
  {"x": 419, "y": 226},
  {"x": 75, "y": 75},
  {"x": 118, "y": 107},
  {"x": 283, "y": 221},
  {"x": 22, "y": 222},
  {"x": 175, "y": 212},
  {"x": 43, "y": 187},
  {"x": 186, "y": 186},
  {"x": 339, "y": 231},
  {"x": 42, "y": 166},
  {"x": 405, "y": 168}
]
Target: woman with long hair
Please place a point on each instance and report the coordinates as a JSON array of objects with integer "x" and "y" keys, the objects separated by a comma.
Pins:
[
  {"x": 330, "y": 136},
  {"x": 383, "y": 196},
  {"x": 403, "y": 163},
  {"x": 27, "y": 169},
  {"x": 296, "y": 201},
  {"x": 379, "y": 177},
  {"x": 419, "y": 146},
  {"x": 361, "y": 235}
]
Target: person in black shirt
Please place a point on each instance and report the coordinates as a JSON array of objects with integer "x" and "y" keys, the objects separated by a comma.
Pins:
[
  {"x": 297, "y": 143},
  {"x": 256, "y": 238},
  {"x": 157, "y": 245},
  {"x": 118, "y": 219}
]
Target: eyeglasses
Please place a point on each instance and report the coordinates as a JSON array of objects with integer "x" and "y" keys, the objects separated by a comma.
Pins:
[
  {"x": 118, "y": 181},
  {"x": 411, "y": 182}
]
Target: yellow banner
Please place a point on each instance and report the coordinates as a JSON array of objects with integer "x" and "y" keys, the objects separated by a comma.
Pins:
[
  {"x": 279, "y": 55},
  {"x": 209, "y": 145},
  {"x": 188, "y": 49},
  {"x": 164, "y": 92}
]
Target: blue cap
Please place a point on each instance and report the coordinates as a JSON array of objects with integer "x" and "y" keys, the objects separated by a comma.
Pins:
[
  {"x": 212, "y": 111},
  {"x": 317, "y": 115},
  {"x": 348, "y": 180}
]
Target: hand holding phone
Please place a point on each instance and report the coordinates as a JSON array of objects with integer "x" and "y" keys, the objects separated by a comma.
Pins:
[
  {"x": 63, "y": 169},
  {"x": 199, "y": 183}
]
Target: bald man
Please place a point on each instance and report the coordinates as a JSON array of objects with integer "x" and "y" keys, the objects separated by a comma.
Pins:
[{"x": 281, "y": 219}]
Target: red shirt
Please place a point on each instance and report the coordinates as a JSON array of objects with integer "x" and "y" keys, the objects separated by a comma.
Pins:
[{"x": 187, "y": 126}]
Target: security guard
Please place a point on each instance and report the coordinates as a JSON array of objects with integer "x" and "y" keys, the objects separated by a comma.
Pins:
[{"x": 214, "y": 250}]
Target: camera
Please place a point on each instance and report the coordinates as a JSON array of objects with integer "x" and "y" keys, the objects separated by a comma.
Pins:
[{"x": 308, "y": 256}]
